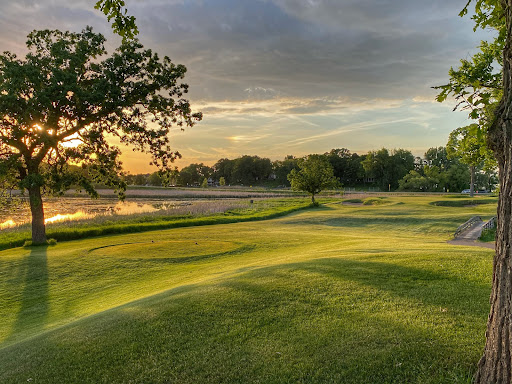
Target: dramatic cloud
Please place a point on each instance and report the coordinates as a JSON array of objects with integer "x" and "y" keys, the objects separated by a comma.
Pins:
[{"x": 277, "y": 76}]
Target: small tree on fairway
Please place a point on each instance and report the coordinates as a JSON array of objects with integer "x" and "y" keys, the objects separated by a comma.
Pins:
[
  {"x": 59, "y": 105},
  {"x": 315, "y": 174},
  {"x": 222, "y": 181}
]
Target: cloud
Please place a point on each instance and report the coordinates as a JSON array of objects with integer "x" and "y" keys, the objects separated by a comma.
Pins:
[
  {"x": 356, "y": 48},
  {"x": 278, "y": 48},
  {"x": 260, "y": 93},
  {"x": 294, "y": 106},
  {"x": 246, "y": 139},
  {"x": 357, "y": 127},
  {"x": 424, "y": 99},
  {"x": 314, "y": 73}
]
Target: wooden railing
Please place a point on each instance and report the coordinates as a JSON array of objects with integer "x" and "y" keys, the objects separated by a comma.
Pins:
[
  {"x": 491, "y": 224},
  {"x": 468, "y": 224}
]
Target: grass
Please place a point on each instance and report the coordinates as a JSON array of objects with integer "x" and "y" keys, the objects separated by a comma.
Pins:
[
  {"x": 337, "y": 294},
  {"x": 375, "y": 201}
]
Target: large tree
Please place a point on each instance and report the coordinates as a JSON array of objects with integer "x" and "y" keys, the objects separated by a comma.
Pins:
[
  {"x": 496, "y": 363},
  {"x": 61, "y": 103},
  {"x": 495, "y": 366}
]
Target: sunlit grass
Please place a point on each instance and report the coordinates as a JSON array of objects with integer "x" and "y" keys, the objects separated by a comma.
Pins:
[{"x": 338, "y": 294}]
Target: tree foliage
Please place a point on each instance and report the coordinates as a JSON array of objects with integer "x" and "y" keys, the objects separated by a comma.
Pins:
[
  {"x": 315, "y": 174},
  {"x": 251, "y": 169},
  {"x": 476, "y": 84},
  {"x": 416, "y": 181},
  {"x": 194, "y": 174},
  {"x": 282, "y": 169},
  {"x": 387, "y": 168},
  {"x": 116, "y": 12},
  {"x": 468, "y": 144},
  {"x": 64, "y": 102},
  {"x": 346, "y": 165},
  {"x": 443, "y": 170}
]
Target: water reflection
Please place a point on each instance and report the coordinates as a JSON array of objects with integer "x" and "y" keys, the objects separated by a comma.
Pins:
[
  {"x": 7, "y": 224},
  {"x": 68, "y": 217},
  {"x": 130, "y": 208}
]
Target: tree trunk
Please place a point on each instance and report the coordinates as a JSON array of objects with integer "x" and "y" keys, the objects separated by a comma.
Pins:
[
  {"x": 495, "y": 366},
  {"x": 472, "y": 183},
  {"x": 36, "y": 208},
  {"x": 312, "y": 198}
]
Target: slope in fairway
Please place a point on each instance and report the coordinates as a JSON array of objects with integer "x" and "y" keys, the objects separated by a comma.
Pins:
[{"x": 352, "y": 294}]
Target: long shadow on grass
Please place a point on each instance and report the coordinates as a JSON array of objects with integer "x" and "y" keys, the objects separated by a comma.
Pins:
[
  {"x": 179, "y": 260},
  {"x": 34, "y": 299},
  {"x": 286, "y": 324},
  {"x": 439, "y": 290},
  {"x": 390, "y": 221}
]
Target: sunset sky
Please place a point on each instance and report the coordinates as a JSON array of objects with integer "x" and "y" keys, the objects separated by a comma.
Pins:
[{"x": 279, "y": 77}]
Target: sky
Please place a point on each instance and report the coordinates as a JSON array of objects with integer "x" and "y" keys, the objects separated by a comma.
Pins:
[{"x": 288, "y": 77}]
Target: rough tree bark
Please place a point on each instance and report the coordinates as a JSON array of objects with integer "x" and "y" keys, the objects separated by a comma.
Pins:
[
  {"x": 495, "y": 366},
  {"x": 36, "y": 208}
]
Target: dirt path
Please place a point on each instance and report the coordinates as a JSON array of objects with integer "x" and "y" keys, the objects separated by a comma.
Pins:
[{"x": 471, "y": 243}]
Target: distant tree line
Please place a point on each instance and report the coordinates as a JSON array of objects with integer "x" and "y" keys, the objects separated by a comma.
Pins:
[
  {"x": 442, "y": 170},
  {"x": 388, "y": 170}
]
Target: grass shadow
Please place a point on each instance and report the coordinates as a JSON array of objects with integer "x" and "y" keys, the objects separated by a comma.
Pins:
[
  {"x": 436, "y": 289},
  {"x": 285, "y": 324},
  {"x": 34, "y": 309}
]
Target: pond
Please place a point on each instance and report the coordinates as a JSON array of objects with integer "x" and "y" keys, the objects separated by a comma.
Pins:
[{"x": 78, "y": 208}]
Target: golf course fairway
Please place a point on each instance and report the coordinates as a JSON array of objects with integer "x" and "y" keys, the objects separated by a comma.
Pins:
[{"x": 334, "y": 294}]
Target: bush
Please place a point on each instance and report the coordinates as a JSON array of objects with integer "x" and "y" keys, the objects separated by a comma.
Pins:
[
  {"x": 463, "y": 202},
  {"x": 488, "y": 235},
  {"x": 374, "y": 201}
]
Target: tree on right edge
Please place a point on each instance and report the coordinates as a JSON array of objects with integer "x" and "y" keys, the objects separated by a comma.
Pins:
[
  {"x": 495, "y": 366},
  {"x": 478, "y": 87}
]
